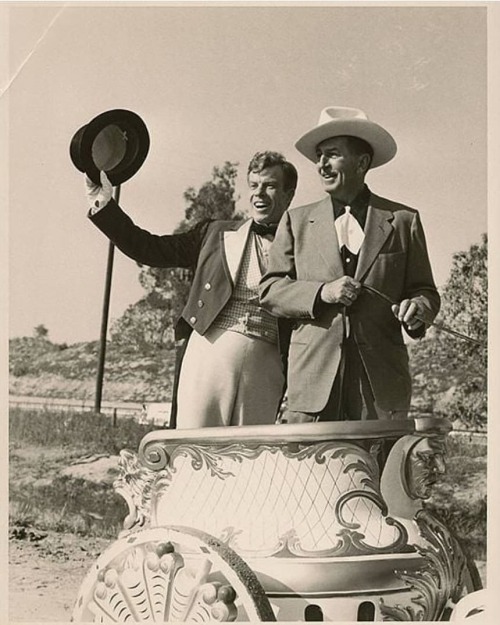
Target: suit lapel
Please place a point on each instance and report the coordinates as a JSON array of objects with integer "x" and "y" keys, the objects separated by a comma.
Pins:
[
  {"x": 326, "y": 236},
  {"x": 233, "y": 243},
  {"x": 377, "y": 228}
]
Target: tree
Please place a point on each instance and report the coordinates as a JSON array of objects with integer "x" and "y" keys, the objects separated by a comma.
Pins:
[
  {"x": 447, "y": 368},
  {"x": 40, "y": 332},
  {"x": 214, "y": 199},
  {"x": 149, "y": 323},
  {"x": 144, "y": 327}
]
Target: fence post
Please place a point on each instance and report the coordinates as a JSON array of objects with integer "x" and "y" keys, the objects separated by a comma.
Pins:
[
  {"x": 114, "y": 417},
  {"x": 104, "y": 319}
]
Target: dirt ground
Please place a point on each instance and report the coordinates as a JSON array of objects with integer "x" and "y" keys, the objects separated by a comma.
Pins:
[
  {"x": 45, "y": 575},
  {"x": 46, "y": 568}
]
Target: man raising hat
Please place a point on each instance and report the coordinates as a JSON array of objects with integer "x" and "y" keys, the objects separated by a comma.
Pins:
[
  {"x": 352, "y": 270},
  {"x": 232, "y": 369}
]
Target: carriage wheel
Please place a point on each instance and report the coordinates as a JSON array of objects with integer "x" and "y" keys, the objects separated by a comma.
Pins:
[
  {"x": 472, "y": 577},
  {"x": 171, "y": 574}
]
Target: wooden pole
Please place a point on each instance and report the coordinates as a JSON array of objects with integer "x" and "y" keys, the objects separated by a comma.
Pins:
[{"x": 104, "y": 318}]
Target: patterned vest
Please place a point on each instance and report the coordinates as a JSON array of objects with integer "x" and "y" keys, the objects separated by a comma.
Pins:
[{"x": 243, "y": 313}]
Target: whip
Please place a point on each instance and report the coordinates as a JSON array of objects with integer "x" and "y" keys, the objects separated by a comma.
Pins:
[{"x": 437, "y": 325}]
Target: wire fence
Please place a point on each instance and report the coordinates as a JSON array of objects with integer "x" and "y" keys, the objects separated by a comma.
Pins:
[
  {"x": 157, "y": 413},
  {"x": 471, "y": 436},
  {"x": 120, "y": 409}
]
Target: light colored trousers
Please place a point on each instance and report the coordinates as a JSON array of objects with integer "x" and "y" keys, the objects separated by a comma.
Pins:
[{"x": 228, "y": 378}]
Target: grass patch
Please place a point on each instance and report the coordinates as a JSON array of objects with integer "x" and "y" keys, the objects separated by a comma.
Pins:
[
  {"x": 92, "y": 432},
  {"x": 41, "y": 445},
  {"x": 66, "y": 504}
]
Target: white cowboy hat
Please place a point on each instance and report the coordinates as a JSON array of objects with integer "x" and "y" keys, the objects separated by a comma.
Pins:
[{"x": 336, "y": 121}]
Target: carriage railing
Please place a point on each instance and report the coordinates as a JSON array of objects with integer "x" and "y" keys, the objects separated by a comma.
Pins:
[{"x": 323, "y": 489}]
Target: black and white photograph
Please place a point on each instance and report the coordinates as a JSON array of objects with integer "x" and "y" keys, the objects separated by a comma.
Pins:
[{"x": 249, "y": 364}]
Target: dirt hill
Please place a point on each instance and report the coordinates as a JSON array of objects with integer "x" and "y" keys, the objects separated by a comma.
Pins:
[{"x": 39, "y": 367}]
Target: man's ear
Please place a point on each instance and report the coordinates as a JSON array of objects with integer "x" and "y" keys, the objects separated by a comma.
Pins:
[
  {"x": 289, "y": 196},
  {"x": 364, "y": 163}
]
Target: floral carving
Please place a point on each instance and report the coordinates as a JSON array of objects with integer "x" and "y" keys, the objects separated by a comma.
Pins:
[
  {"x": 155, "y": 456},
  {"x": 355, "y": 539},
  {"x": 137, "y": 485},
  {"x": 438, "y": 581}
]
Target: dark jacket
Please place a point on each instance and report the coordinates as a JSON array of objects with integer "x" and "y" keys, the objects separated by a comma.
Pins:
[{"x": 212, "y": 249}]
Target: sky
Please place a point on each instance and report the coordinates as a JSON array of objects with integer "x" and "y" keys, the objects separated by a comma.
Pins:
[{"x": 217, "y": 83}]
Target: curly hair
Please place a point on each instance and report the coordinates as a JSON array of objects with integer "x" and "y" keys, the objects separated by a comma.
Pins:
[{"x": 263, "y": 160}]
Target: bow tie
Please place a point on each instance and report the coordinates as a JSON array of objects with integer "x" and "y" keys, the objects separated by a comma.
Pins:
[{"x": 264, "y": 229}]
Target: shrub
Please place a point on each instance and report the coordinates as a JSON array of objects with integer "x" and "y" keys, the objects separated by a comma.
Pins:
[
  {"x": 68, "y": 504},
  {"x": 459, "y": 498}
]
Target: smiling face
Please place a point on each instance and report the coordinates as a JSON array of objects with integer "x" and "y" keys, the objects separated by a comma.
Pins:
[
  {"x": 341, "y": 169},
  {"x": 268, "y": 197}
]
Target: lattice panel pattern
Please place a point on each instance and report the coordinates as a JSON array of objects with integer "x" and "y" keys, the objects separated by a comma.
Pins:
[{"x": 266, "y": 500}]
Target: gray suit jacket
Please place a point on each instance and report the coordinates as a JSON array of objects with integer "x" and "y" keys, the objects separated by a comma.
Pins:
[{"x": 393, "y": 259}]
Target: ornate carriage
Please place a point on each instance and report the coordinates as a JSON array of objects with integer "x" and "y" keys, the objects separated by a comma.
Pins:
[{"x": 298, "y": 522}]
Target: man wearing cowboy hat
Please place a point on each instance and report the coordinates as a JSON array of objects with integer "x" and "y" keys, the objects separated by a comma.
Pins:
[
  {"x": 231, "y": 371},
  {"x": 335, "y": 267}
]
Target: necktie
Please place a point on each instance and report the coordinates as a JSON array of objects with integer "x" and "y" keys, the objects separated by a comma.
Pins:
[
  {"x": 349, "y": 232},
  {"x": 264, "y": 229}
]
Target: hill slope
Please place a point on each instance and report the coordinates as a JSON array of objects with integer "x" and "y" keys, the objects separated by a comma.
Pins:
[{"x": 39, "y": 367}]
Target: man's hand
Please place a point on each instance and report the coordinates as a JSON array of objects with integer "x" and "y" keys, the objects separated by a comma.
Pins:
[
  {"x": 98, "y": 195},
  {"x": 344, "y": 291},
  {"x": 408, "y": 312}
]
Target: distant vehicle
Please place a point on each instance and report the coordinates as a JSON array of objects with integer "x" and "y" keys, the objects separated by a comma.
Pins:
[{"x": 156, "y": 413}]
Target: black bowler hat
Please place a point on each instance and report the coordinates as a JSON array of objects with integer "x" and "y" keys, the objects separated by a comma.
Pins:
[{"x": 116, "y": 142}]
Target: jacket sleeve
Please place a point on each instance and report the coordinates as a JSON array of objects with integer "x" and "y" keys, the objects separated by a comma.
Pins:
[
  {"x": 419, "y": 282},
  {"x": 174, "y": 250},
  {"x": 282, "y": 293}
]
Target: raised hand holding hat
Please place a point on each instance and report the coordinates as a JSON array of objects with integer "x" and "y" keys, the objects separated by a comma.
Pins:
[{"x": 98, "y": 195}]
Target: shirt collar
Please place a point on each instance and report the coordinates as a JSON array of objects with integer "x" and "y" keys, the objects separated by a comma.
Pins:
[{"x": 359, "y": 205}]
